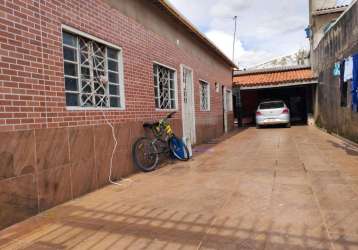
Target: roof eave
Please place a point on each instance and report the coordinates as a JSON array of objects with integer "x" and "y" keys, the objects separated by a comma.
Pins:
[
  {"x": 276, "y": 85},
  {"x": 173, "y": 11},
  {"x": 321, "y": 12},
  {"x": 271, "y": 70}
]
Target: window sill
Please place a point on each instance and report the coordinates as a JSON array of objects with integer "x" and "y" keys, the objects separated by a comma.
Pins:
[
  {"x": 166, "y": 110},
  {"x": 93, "y": 109}
]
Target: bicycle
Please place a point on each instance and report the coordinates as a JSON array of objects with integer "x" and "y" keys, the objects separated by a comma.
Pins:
[{"x": 146, "y": 151}]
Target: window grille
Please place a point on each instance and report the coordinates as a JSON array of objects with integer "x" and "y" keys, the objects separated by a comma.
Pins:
[
  {"x": 204, "y": 96},
  {"x": 91, "y": 73},
  {"x": 164, "y": 87}
]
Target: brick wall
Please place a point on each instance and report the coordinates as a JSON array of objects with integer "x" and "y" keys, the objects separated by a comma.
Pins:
[{"x": 49, "y": 155}]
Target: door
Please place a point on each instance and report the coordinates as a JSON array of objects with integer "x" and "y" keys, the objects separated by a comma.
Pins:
[
  {"x": 225, "y": 108},
  {"x": 188, "y": 114},
  {"x": 229, "y": 108}
]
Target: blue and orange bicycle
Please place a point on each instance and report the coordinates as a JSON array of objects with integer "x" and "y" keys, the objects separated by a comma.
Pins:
[{"x": 146, "y": 151}]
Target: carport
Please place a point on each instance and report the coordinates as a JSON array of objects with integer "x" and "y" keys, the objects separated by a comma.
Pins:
[{"x": 296, "y": 86}]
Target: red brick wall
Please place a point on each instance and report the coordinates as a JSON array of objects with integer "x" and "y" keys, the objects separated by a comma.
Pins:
[
  {"x": 31, "y": 81},
  {"x": 49, "y": 155}
]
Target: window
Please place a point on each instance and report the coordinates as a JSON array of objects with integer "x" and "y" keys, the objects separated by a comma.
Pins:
[
  {"x": 164, "y": 87},
  {"x": 272, "y": 105},
  {"x": 204, "y": 96},
  {"x": 92, "y": 73}
]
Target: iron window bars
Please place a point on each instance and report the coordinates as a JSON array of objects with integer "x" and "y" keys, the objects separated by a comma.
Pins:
[
  {"x": 91, "y": 73},
  {"x": 204, "y": 96},
  {"x": 164, "y": 87}
]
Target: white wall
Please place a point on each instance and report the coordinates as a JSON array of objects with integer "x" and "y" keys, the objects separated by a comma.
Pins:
[{"x": 321, "y": 4}]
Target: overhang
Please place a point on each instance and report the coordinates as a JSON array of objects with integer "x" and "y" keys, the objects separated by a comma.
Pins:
[
  {"x": 172, "y": 11},
  {"x": 288, "y": 84},
  {"x": 274, "y": 78},
  {"x": 331, "y": 10}
]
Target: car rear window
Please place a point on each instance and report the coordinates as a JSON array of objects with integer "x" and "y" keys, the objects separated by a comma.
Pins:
[{"x": 271, "y": 105}]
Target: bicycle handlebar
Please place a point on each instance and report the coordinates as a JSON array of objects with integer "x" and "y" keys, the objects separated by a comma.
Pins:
[
  {"x": 150, "y": 125},
  {"x": 171, "y": 115}
]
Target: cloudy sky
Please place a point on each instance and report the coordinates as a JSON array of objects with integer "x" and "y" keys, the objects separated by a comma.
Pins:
[{"x": 267, "y": 28}]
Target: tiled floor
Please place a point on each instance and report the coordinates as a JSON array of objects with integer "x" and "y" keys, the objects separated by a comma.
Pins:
[{"x": 266, "y": 189}]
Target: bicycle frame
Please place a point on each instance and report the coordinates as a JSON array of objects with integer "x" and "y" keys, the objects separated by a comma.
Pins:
[
  {"x": 163, "y": 129},
  {"x": 162, "y": 133},
  {"x": 161, "y": 145}
]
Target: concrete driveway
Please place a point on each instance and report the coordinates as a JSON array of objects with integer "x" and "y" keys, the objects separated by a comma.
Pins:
[{"x": 257, "y": 189}]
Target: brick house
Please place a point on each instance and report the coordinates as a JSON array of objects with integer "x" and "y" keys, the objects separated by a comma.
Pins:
[{"x": 67, "y": 66}]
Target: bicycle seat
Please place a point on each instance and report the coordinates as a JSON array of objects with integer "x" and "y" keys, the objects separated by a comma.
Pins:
[{"x": 150, "y": 125}]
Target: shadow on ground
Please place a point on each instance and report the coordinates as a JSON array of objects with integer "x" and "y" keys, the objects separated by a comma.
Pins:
[
  {"x": 207, "y": 146},
  {"x": 347, "y": 147},
  {"x": 133, "y": 227}
]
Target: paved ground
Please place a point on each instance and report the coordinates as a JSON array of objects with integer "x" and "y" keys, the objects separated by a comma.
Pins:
[{"x": 258, "y": 189}]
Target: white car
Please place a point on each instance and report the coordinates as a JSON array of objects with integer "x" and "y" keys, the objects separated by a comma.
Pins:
[{"x": 271, "y": 113}]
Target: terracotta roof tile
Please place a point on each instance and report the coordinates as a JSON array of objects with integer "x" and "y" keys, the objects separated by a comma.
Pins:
[{"x": 273, "y": 78}]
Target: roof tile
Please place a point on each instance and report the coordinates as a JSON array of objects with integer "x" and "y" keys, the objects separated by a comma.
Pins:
[{"x": 274, "y": 78}]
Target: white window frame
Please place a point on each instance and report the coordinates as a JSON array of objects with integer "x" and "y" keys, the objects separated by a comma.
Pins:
[
  {"x": 229, "y": 101},
  {"x": 208, "y": 96},
  {"x": 65, "y": 28},
  {"x": 175, "y": 87}
]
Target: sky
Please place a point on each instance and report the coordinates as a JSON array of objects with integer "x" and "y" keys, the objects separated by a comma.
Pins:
[{"x": 267, "y": 29}]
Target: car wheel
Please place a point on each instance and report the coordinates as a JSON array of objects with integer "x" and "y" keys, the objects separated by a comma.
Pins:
[
  {"x": 288, "y": 125},
  {"x": 258, "y": 126}
]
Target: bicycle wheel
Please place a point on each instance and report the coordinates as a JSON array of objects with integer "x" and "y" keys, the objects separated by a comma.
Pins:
[
  {"x": 179, "y": 149},
  {"x": 145, "y": 155}
]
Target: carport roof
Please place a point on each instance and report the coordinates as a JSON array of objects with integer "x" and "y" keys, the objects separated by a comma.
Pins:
[{"x": 274, "y": 77}]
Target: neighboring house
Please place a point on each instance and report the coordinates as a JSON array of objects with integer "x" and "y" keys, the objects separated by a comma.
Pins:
[
  {"x": 294, "y": 85},
  {"x": 323, "y": 13},
  {"x": 300, "y": 58},
  {"x": 334, "y": 103},
  {"x": 67, "y": 66}
]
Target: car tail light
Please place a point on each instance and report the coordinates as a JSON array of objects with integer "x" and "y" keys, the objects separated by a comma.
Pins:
[
  {"x": 258, "y": 113},
  {"x": 285, "y": 111}
]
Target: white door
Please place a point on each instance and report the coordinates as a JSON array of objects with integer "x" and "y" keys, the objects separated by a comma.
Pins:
[
  {"x": 225, "y": 108},
  {"x": 188, "y": 114},
  {"x": 229, "y": 107}
]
